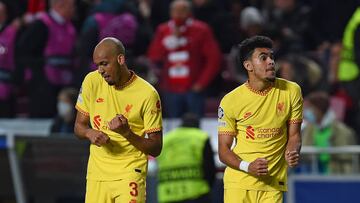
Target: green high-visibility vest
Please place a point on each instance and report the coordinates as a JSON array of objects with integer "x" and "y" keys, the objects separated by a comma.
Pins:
[
  {"x": 348, "y": 69},
  {"x": 180, "y": 173}
]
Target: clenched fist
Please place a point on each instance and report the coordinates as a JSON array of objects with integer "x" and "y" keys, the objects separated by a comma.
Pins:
[
  {"x": 259, "y": 167},
  {"x": 97, "y": 137},
  {"x": 119, "y": 124},
  {"x": 292, "y": 158}
]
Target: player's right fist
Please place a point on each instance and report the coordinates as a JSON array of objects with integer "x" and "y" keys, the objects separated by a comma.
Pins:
[
  {"x": 97, "y": 138},
  {"x": 259, "y": 167}
]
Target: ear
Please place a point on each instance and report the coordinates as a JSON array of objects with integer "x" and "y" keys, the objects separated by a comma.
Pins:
[
  {"x": 121, "y": 59},
  {"x": 248, "y": 66}
]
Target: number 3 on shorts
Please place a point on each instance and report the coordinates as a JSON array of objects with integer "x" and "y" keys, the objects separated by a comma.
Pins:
[{"x": 134, "y": 189}]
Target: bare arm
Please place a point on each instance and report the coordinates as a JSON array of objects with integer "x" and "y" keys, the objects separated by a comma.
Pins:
[
  {"x": 259, "y": 167},
  {"x": 151, "y": 145},
  {"x": 292, "y": 152},
  {"x": 226, "y": 155},
  {"x": 83, "y": 131}
]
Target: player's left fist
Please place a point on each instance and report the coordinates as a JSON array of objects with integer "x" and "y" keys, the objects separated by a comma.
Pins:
[
  {"x": 292, "y": 158},
  {"x": 119, "y": 124}
]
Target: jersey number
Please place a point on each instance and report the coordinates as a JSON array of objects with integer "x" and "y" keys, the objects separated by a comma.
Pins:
[{"x": 134, "y": 189}]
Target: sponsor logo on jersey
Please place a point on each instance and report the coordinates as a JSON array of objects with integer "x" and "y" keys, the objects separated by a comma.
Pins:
[
  {"x": 250, "y": 133},
  {"x": 247, "y": 115},
  {"x": 262, "y": 133},
  {"x": 99, "y": 100},
  {"x": 97, "y": 122}
]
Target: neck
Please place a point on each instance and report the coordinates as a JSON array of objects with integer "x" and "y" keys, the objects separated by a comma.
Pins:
[
  {"x": 57, "y": 16},
  {"x": 125, "y": 76},
  {"x": 259, "y": 85}
]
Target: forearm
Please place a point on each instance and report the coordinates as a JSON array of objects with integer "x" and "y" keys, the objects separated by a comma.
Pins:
[
  {"x": 146, "y": 145},
  {"x": 294, "y": 143},
  {"x": 229, "y": 158},
  {"x": 81, "y": 131}
]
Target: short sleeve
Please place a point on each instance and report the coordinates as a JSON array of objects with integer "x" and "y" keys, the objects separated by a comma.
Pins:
[
  {"x": 226, "y": 120},
  {"x": 296, "y": 114},
  {"x": 153, "y": 113},
  {"x": 82, "y": 103}
]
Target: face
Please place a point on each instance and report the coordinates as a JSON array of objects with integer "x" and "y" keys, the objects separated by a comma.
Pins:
[
  {"x": 180, "y": 11},
  {"x": 311, "y": 113},
  {"x": 262, "y": 65},
  {"x": 67, "y": 9},
  {"x": 108, "y": 64},
  {"x": 65, "y": 106},
  {"x": 286, "y": 70}
]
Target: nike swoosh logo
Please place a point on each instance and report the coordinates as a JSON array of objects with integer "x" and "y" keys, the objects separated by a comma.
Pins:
[{"x": 98, "y": 100}]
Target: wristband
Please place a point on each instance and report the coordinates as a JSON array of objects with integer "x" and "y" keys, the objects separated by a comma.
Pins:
[{"x": 244, "y": 166}]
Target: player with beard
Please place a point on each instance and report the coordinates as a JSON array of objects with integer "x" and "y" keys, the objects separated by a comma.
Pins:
[{"x": 263, "y": 116}]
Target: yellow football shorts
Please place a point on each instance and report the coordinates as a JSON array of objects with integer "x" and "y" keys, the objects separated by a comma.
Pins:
[
  {"x": 129, "y": 190},
  {"x": 236, "y": 195}
]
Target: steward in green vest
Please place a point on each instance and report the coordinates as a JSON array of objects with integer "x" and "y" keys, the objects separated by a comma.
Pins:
[
  {"x": 186, "y": 166},
  {"x": 348, "y": 67}
]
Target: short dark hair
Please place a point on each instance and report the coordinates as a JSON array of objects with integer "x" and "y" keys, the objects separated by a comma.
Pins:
[
  {"x": 190, "y": 120},
  {"x": 70, "y": 93},
  {"x": 247, "y": 47},
  {"x": 320, "y": 100}
]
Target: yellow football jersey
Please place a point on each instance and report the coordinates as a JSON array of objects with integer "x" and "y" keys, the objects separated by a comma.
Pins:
[
  {"x": 259, "y": 121},
  {"x": 139, "y": 102}
]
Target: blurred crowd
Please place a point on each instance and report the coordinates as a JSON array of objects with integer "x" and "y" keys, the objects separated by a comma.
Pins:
[{"x": 188, "y": 51}]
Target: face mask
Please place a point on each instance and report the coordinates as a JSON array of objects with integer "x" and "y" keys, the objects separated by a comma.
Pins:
[
  {"x": 64, "y": 109},
  {"x": 309, "y": 116}
]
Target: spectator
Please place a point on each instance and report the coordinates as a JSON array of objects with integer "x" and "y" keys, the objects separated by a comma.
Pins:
[
  {"x": 186, "y": 51},
  {"x": 250, "y": 24},
  {"x": 46, "y": 47},
  {"x": 193, "y": 160},
  {"x": 345, "y": 68},
  {"x": 65, "y": 119},
  {"x": 8, "y": 34},
  {"x": 350, "y": 53},
  {"x": 323, "y": 130},
  {"x": 119, "y": 19},
  {"x": 302, "y": 70},
  {"x": 34, "y": 9}
]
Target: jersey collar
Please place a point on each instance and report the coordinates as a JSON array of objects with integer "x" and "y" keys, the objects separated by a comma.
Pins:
[
  {"x": 263, "y": 92},
  {"x": 132, "y": 79}
]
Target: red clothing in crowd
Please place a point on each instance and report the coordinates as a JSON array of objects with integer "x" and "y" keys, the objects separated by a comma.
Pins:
[
  {"x": 190, "y": 57},
  {"x": 35, "y": 6}
]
